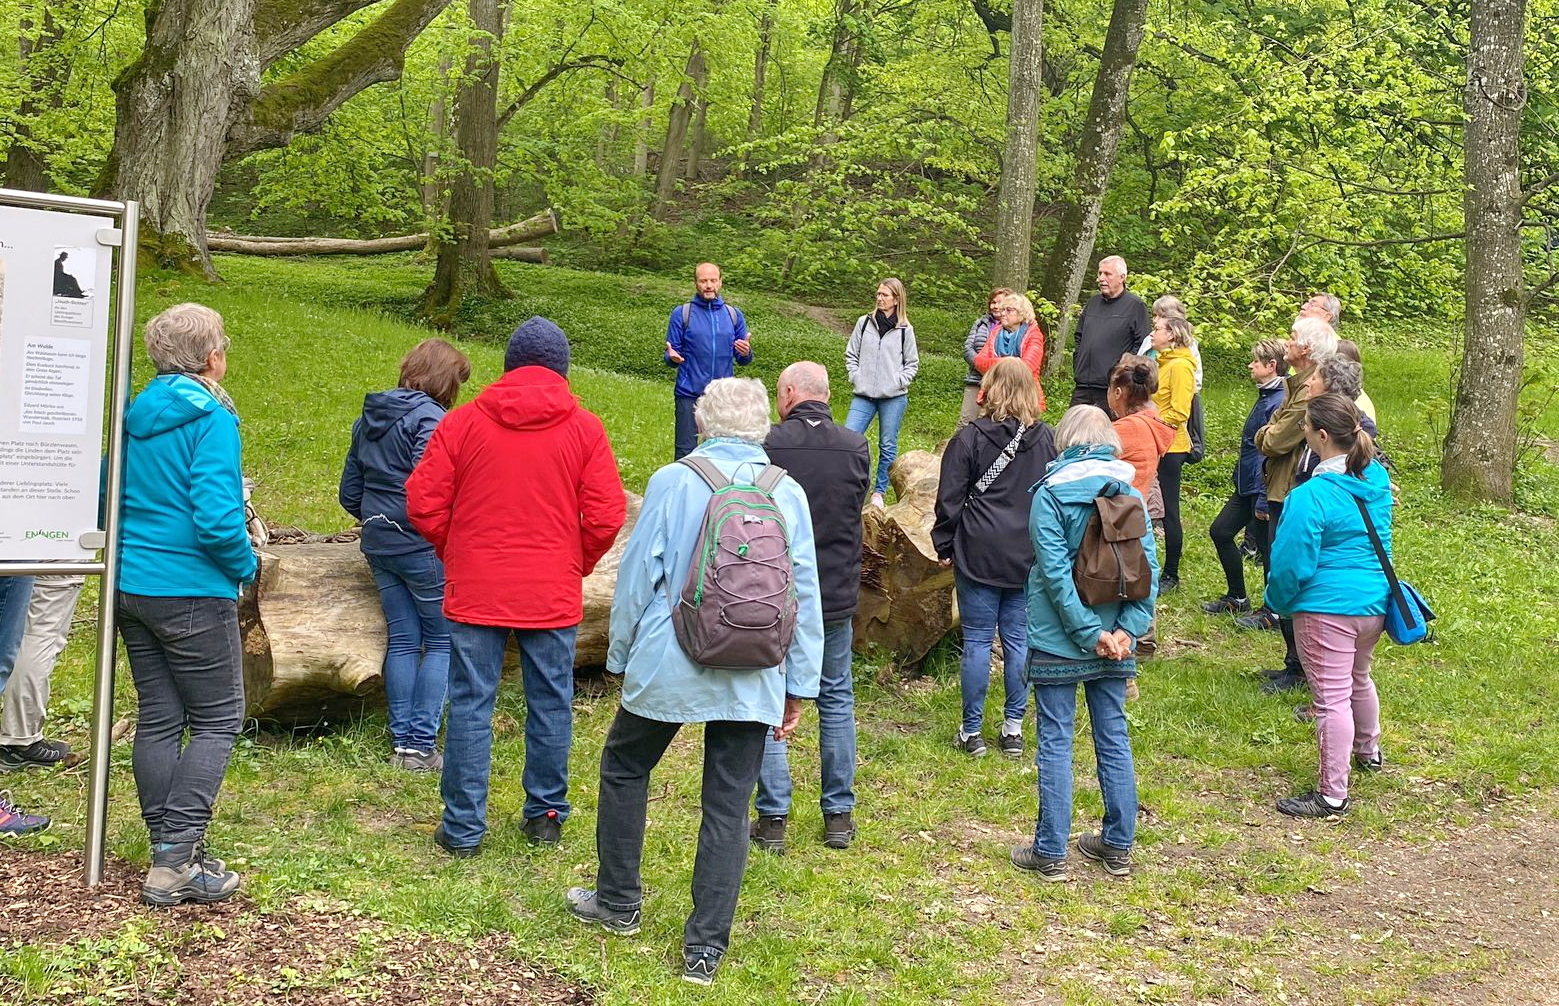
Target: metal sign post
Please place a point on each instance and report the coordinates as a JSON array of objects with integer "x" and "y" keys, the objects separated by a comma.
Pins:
[{"x": 124, "y": 238}]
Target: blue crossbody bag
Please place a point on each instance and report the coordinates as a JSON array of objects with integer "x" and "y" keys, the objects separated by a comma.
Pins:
[{"x": 1407, "y": 613}]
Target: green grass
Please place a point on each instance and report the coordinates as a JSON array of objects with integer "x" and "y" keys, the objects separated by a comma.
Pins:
[{"x": 923, "y": 908}]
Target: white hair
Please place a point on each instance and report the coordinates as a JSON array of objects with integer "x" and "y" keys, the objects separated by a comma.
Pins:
[
  {"x": 1316, "y": 335},
  {"x": 1086, "y": 424},
  {"x": 1114, "y": 260},
  {"x": 807, "y": 378},
  {"x": 181, "y": 339},
  {"x": 734, "y": 407}
]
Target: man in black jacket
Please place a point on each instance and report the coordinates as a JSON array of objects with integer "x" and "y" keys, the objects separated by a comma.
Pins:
[
  {"x": 833, "y": 465},
  {"x": 1114, "y": 322}
]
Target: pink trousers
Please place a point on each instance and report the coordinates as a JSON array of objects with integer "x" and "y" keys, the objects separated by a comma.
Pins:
[{"x": 1335, "y": 651}]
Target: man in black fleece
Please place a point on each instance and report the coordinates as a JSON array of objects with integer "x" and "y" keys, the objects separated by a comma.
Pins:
[
  {"x": 833, "y": 465},
  {"x": 1113, "y": 323}
]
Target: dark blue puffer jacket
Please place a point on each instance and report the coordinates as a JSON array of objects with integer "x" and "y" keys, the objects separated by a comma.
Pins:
[
  {"x": 1248, "y": 477},
  {"x": 387, "y": 443}
]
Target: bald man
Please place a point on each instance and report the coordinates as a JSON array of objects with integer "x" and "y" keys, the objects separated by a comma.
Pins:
[
  {"x": 1114, "y": 322},
  {"x": 704, "y": 338},
  {"x": 833, "y": 465}
]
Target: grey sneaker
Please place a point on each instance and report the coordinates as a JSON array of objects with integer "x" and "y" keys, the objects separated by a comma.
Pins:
[
  {"x": 1310, "y": 804},
  {"x": 768, "y": 832},
  {"x": 1116, "y": 862},
  {"x": 584, "y": 906},
  {"x": 699, "y": 965},
  {"x": 413, "y": 760},
  {"x": 41, "y": 753},
  {"x": 1053, "y": 870},
  {"x": 181, "y": 871},
  {"x": 974, "y": 746},
  {"x": 544, "y": 830},
  {"x": 838, "y": 830},
  {"x": 1010, "y": 745}
]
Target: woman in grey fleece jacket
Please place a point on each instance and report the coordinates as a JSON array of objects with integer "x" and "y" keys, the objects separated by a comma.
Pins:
[{"x": 881, "y": 360}]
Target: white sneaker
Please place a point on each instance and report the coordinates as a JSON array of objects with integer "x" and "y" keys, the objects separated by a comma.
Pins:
[{"x": 877, "y": 501}]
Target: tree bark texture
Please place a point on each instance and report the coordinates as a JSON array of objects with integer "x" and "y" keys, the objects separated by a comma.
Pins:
[
  {"x": 1068, "y": 264},
  {"x": 677, "y": 123},
  {"x": 45, "y": 72},
  {"x": 464, "y": 264},
  {"x": 1480, "y": 448},
  {"x": 906, "y": 601},
  {"x": 760, "y": 69},
  {"x": 433, "y": 201},
  {"x": 641, "y": 142},
  {"x": 1019, "y": 163},
  {"x": 836, "y": 91},
  {"x": 529, "y": 229}
]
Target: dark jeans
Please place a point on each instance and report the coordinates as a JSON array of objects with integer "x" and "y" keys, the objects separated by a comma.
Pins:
[
  {"x": 1169, "y": 487},
  {"x": 1099, "y": 397},
  {"x": 1239, "y": 512},
  {"x": 835, "y": 735},
  {"x": 687, "y": 427},
  {"x": 416, "y": 660},
  {"x": 187, "y": 662},
  {"x": 1290, "y": 650},
  {"x": 733, "y": 754},
  {"x": 547, "y": 666}
]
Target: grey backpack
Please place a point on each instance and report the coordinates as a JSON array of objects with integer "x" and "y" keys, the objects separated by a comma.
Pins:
[{"x": 738, "y": 607}]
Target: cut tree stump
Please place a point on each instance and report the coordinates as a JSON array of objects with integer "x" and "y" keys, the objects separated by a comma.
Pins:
[{"x": 529, "y": 229}]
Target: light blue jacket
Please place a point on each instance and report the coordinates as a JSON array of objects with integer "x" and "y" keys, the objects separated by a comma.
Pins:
[
  {"x": 1059, "y": 623},
  {"x": 660, "y": 682},
  {"x": 1322, "y": 559},
  {"x": 183, "y": 531}
]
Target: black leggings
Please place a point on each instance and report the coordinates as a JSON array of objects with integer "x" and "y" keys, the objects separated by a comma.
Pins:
[
  {"x": 1291, "y": 662},
  {"x": 1238, "y": 512},
  {"x": 1169, "y": 487}
]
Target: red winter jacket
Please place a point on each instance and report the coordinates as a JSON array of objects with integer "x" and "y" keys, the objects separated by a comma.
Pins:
[
  {"x": 1031, "y": 350},
  {"x": 519, "y": 493}
]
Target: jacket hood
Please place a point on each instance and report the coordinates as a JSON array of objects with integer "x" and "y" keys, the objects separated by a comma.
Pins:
[
  {"x": 1082, "y": 470},
  {"x": 383, "y": 409},
  {"x": 1372, "y": 486},
  {"x": 528, "y": 398},
  {"x": 709, "y": 305},
  {"x": 168, "y": 402},
  {"x": 1001, "y": 433}
]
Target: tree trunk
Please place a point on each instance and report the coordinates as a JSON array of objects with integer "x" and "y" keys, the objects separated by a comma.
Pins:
[
  {"x": 760, "y": 69},
  {"x": 695, "y": 153},
  {"x": 529, "y": 229},
  {"x": 45, "y": 70},
  {"x": 641, "y": 142},
  {"x": 433, "y": 203},
  {"x": 676, "y": 134},
  {"x": 836, "y": 91},
  {"x": 1068, "y": 265},
  {"x": 1015, "y": 199},
  {"x": 1480, "y": 448},
  {"x": 464, "y": 265}
]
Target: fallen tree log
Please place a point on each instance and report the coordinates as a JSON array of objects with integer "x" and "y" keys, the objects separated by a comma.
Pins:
[
  {"x": 521, "y": 253},
  {"x": 529, "y": 229}
]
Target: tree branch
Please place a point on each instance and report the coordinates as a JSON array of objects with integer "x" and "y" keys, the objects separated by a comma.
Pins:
[
  {"x": 284, "y": 25},
  {"x": 598, "y": 60}
]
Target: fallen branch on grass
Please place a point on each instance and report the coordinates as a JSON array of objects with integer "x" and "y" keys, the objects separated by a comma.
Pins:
[{"x": 540, "y": 225}]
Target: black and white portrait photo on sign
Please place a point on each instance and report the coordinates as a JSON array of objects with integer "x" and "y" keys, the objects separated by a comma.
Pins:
[{"x": 75, "y": 278}]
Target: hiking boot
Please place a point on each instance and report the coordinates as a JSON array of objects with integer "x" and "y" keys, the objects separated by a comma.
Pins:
[
  {"x": 181, "y": 871},
  {"x": 1025, "y": 858},
  {"x": 1263, "y": 619},
  {"x": 1374, "y": 764},
  {"x": 413, "y": 760},
  {"x": 1310, "y": 804},
  {"x": 1305, "y": 712},
  {"x": 457, "y": 851},
  {"x": 41, "y": 753},
  {"x": 544, "y": 830},
  {"x": 1288, "y": 681},
  {"x": 699, "y": 965},
  {"x": 1010, "y": 745},
  {"x": 1116, "y": 862},
  {"x": 1227, "y": 605},
  {"x": 838, "y": 830},
  {"x": 16, "y": 821},
  {"x": 1168, "y": 584},
  {"x": 586, "y": 907},
  {"x": 768, "y": 832},
  {"x": 973, "y": 745}
]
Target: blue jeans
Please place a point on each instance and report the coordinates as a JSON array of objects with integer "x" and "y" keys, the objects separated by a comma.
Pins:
[
  {"x": 890, "y": 416},
  {"x": 15, "y": 593},
  {"x": 476, "y": 662},
  {"x": 983, "y": 611},
  {"x": 836, "y": 735},
  {"x": 1056, "y": 710},
  {"x": 416, "y": 661}
]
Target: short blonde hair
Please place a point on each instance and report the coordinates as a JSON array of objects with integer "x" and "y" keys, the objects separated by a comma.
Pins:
[
  {"x": 1024, "y": 305},
  {"x": 181, "y": 339},
  {"x": 1181, "y": 334},
  {"x": 1087, "y": 424},
  {"x": 734, "y": 407},
  {"x": 1008, "y": 391}
]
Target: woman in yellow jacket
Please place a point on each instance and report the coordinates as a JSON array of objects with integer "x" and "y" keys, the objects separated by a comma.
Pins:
[{"x": 1172, "y": 338}]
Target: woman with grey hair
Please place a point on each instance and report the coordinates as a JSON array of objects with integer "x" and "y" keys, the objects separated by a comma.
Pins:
[
  {"x": 184, "y": 552},
  {"x": 1071, "y": 642}
]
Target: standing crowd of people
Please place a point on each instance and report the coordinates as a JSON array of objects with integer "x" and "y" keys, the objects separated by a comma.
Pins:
[{"x": 737, "y": 585}]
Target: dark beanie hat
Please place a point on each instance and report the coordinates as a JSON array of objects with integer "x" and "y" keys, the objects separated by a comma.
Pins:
[{"x": 537, "y": 343}]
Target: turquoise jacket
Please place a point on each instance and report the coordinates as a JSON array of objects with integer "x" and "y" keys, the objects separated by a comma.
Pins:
[
  {"x": 1322, "y": 559},
  {"x": 660, "y": 682},
  {"x": 183, "y": 531},
  {"x": 1062, "y": 630}
]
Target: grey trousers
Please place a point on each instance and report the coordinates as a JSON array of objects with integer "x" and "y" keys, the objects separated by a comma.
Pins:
[{"x": 26, "y": 699}]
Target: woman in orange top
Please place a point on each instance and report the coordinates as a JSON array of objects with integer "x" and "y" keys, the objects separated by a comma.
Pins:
[
  {"x": 1144, "y": 436},
  {"x": 1020, "y": 336}
]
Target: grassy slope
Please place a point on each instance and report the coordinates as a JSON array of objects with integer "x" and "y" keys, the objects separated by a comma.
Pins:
[{"x": 924, "y": 908}]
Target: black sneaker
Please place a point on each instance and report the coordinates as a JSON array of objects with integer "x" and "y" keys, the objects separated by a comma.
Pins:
[
  {"x": 41, "y": 753},
  {"x": 1025, "y": 858},
  {"x": 974, "y": 746},
  {"x": 586, "y": 907},
  {"x": 1227, "y": 605},
  {"x": 1263, "y": 619},
  {"x": 1250, "y": 553},
  {"x": 768, "y": 832},
  {"x": 1116, "y": 862},
  {"x": 544, "y": 830},
  {"x": 699, "y": 965},
  {"x": 1010, "y": 745},
  {"x": 1288, "y": 681},
  {"x": 838, "y": 830},
  {"x": 1374, "y": 764},
  {"x": 1168, "y": 584},
  {"x": 1310, "y": 804},
  {"x": 457, "y": 851}
]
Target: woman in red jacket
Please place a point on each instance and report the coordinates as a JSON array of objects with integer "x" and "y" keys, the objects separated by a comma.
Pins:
[{"x": 1020, "y": 336}]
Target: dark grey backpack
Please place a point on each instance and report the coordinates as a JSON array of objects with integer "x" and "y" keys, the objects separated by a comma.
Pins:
[{"x": 737, "y": 609}]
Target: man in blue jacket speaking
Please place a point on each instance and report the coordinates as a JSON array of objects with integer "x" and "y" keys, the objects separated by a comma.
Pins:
[{"x": 704, "y": 338}]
